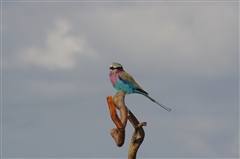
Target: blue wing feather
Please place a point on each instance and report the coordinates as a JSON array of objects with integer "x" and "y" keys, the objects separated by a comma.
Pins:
[
  {"x": 125, "y": 86},
  {"x": 130, "y": 86}
]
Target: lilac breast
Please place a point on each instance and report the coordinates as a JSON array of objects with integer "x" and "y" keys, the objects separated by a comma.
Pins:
[{"x": 113, "y": 78}]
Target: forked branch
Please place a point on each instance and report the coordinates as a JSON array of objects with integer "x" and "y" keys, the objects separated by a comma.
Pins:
[{"x": 119, "y": 133}]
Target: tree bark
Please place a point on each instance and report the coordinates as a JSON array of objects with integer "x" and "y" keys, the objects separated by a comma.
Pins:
[
  {"x": 137, "y": 136},
  {"x": 119, "y": 133}
]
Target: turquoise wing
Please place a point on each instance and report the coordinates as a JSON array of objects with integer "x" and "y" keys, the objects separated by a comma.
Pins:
[{"x": 128, "y": 80}]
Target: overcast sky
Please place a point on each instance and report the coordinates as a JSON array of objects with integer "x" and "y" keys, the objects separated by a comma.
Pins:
[{"x": 56, "y": 58}]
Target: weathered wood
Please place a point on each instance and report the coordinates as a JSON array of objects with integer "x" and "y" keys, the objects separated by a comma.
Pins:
[{"x": 119, "y": 133}]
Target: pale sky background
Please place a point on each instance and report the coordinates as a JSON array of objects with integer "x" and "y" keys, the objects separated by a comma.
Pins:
[{"x": 55, "y": 63}]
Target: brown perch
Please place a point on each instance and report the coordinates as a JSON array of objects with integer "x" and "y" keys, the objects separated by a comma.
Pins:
[{"x": 119, "y": 133}]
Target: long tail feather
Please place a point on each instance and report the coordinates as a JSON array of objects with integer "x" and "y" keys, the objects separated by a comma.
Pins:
[{"x": 153, "y": 100}]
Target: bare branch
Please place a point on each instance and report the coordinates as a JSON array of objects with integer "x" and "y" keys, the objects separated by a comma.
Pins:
[
  {"x": 119, "y": 133},
  {"x": 137, "y": 136}
]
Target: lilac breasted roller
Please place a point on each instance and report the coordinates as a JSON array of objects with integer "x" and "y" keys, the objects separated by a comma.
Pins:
[{"x": 121, "y": 80}]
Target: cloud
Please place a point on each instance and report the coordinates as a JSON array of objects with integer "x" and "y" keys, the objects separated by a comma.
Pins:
[
  {"x": 170, "y": 49},
  {"x": 203, "y": 137},
  {"x": 185, "y": 41},
  {"x": 60, "y": 50}
]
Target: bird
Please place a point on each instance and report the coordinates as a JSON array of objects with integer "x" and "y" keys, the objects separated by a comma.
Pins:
[{"x": 121, "y": 80}]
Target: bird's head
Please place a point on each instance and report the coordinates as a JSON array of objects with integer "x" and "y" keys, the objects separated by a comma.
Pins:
[{"x": 115, "y": 67}]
